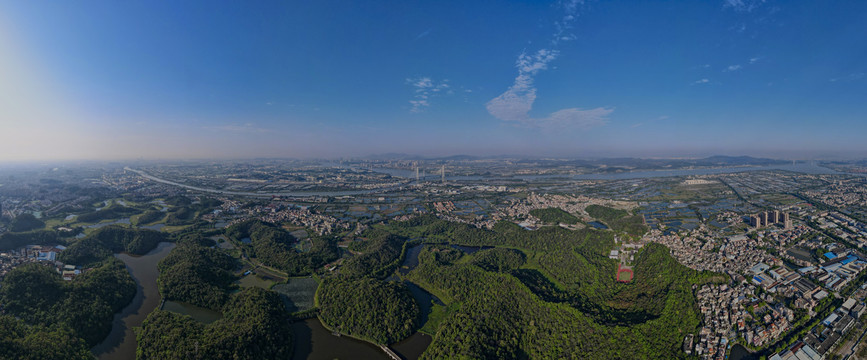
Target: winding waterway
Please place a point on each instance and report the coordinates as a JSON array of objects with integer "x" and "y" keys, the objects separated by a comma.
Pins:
[
  {"x": 121, "y": 342},
  {"x": 314, "y": 342}
]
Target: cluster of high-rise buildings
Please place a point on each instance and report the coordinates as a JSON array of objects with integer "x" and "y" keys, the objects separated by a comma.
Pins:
[{"x": 766, "y": 218}]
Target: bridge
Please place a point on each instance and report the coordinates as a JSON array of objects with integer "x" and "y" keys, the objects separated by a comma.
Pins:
[{"x": 393, "y": 355}]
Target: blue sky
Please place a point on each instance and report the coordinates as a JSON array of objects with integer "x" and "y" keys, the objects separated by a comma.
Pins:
[{"x": 108, "y": 79}]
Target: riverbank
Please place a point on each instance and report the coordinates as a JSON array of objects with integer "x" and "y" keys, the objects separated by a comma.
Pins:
[{"x": 120, "y": 344}]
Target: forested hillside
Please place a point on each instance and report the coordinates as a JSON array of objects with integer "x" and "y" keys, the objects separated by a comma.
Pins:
[
  {"x": 20, "y": 341},
  {"x": 273, "y": 247},
  {"x": 379, "y": 311},
  {"x": 197, "y": 274},
  {"x": 110, "y": 240},
  {"x": 254, "y": 326},
  {"x": 36, "y": 294}
]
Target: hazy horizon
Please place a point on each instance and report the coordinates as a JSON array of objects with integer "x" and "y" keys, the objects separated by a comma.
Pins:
[{"x": 567, "y": 79}]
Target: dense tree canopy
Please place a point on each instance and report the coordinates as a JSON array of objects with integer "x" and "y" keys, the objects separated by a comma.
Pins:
[
  {"x": 273, "y": 247},
  {"x": 20, "y": 341},
  {"x": 618, "y": 220},
  {"x": 181, "y": 216},
  {"x": 380, "y": 311},
  {"x": 550, "y": 293},
  {"x": 377, "y": 256},
  {"x": 254, "y": 326},
  {"x": 150, "y": 216},
  {"x": 9, "y": 240},
  {"x": 497, "y": 316},
  {"x": 499, "y": 259},
  {"x": 36, "y": 294},
  {"x": 26, "y": 222},
  {"x": 109, "y": 240},
  {"x": 197, "y": 274}
]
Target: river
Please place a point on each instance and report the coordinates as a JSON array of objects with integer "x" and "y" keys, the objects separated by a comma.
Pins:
[
  {"x": 314, "y": 342},
  {"x": 121, "y": 342}
]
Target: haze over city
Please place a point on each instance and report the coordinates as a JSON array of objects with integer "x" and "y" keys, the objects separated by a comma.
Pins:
[{"x": 129, "y": 80}]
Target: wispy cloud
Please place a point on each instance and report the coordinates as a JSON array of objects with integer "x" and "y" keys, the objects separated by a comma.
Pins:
[
  {"x": 425, "y": 89},
  {"x": 701, "y": 81},
  {"x": 515, "y": 104},
  {"x": 423, "y": 34},
  {"x": 731, "y": 68},
  {"x": 755, "y": 59},
  {"x": 743, "y": 5},
  {"x": 850, "y": 77},
  {"x": 564, "y": 25}
]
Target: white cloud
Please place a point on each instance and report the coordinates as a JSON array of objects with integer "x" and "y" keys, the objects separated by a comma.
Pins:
[
  {"x": 755, "y": 59},
  {"x": 731, "y": 68},
  {"x": 701, "y": 81},
  {"x": 426, "y": 88},
  {"x": 570, "y": 13},
  {"x": 515, "y": 104}
]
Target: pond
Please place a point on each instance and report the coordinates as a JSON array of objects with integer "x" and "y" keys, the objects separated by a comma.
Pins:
[
  {"x": 121, "y": 343},
  {"x": 97, "y": 226},
  {"x": 156, "y": 227},
  {"x": 198, "y": 313},
  {"x": 739, "y": 352},
  {"x": 598, "y": 225}
]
